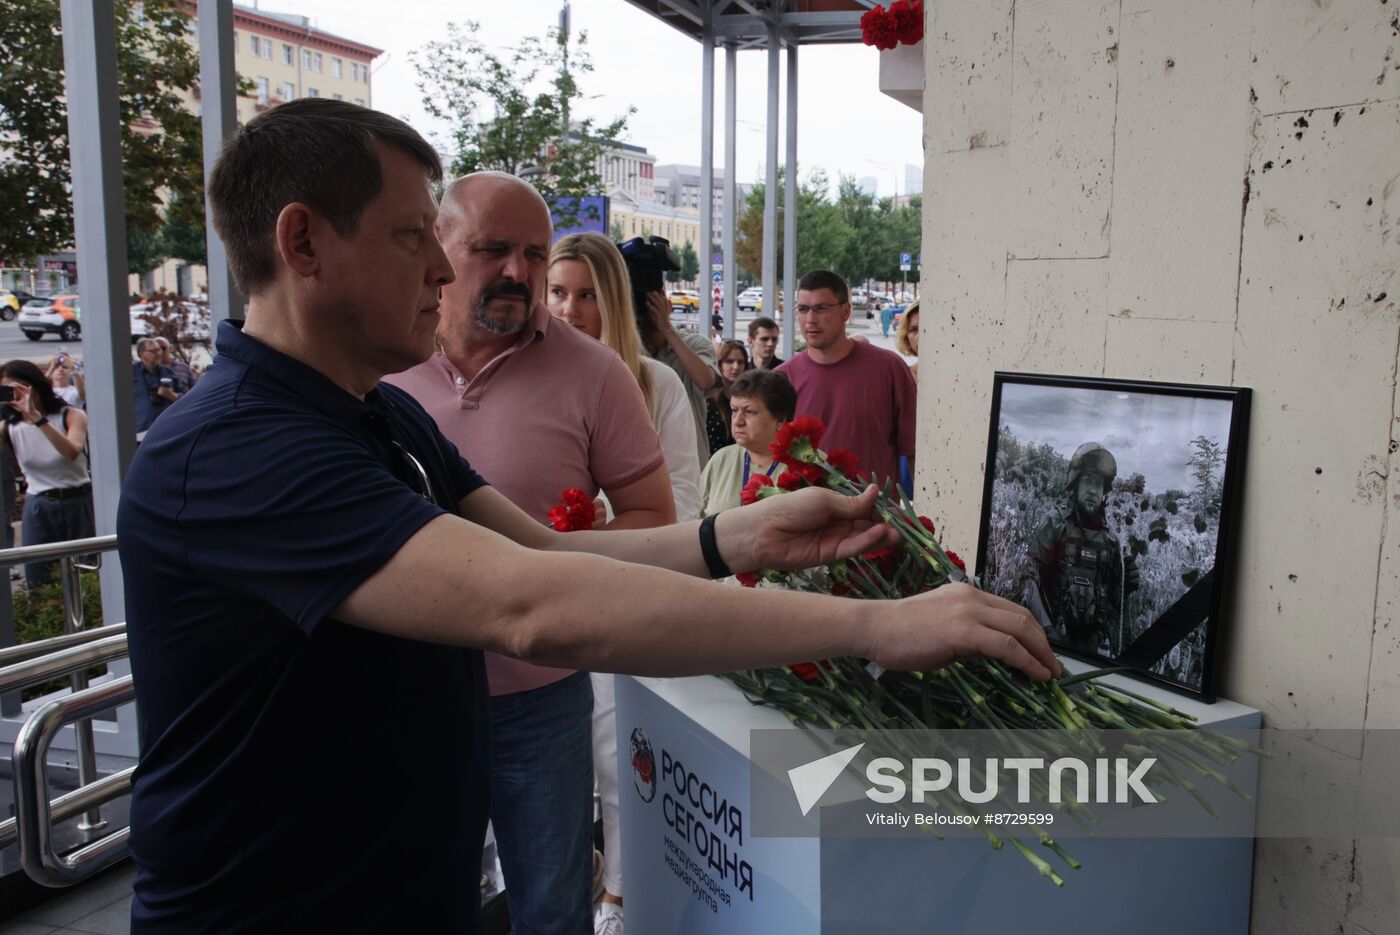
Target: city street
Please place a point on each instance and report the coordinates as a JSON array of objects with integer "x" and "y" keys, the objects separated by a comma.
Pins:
[{"x": 13, "y": 344}]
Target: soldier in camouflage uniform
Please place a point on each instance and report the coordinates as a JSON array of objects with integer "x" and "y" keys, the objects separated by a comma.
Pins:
[{"x": 1081, "y": 577}]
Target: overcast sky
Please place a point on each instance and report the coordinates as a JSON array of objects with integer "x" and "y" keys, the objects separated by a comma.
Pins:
[
  {"x": 1146, "y": 433},
  {"x": 844, "y": 123}
]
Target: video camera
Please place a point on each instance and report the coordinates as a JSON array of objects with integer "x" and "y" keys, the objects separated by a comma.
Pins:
[{"x": 647, "y": 259}]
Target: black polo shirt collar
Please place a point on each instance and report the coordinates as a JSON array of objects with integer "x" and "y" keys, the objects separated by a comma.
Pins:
[{"x": 302, "y": 380}]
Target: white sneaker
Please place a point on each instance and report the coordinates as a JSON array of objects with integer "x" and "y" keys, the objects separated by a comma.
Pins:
[{"x": 608, "y": 919}]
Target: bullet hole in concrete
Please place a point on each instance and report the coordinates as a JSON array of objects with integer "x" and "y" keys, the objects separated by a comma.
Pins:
[
  {"x": 1380, "y": 297},
  {"x": 1317, "y": 470},
  {"x": 1268, "y": 165},
  {"x": 1300, "y": 238},
  {"x": 1301, "y": 122},
  {"x": 1336, "y": 118},
  {"x": 1171, "y": 63},
  {"x": 1298, "y": 135},
  {"x": 1342, "y": 302},
  {"x": 1368, "y": 202},
  {"x": 1293, "y": 578},
  {"x": 1290, "y": 694},
  {"x": 1394, "y": 446}
]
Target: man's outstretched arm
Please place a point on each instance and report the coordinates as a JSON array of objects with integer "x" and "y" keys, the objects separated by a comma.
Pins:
[{"x": 459, "y": 582}]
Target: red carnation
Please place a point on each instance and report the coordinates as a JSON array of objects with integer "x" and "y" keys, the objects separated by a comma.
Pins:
[
  {"x": 750, "y": 493},
  {"x": 796, "y": 443},
  {"x": 844, "y": 461},
  {"x": 574, "y": 513},
  {"x": 806, "y": 671},
  {"x": 791, "y": 480},
  {"x": 747, "y": 578},
  {"x": 928, "y": 524},
  {"x": 953, "y": 557}
]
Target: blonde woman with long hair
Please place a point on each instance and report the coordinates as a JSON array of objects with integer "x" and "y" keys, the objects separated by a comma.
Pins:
[{"x": 588, "y": 288}]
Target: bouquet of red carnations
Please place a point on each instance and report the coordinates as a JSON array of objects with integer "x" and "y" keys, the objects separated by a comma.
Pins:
[
  {"x": 885, "y": 28},
  {"x": 980, "y": 694}
]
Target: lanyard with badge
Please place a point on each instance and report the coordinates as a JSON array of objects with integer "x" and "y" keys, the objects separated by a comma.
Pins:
[{"x": 769, "y": 473}]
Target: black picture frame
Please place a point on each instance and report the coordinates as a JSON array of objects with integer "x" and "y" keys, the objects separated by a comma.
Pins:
[{"x": 1140, "y": 579}]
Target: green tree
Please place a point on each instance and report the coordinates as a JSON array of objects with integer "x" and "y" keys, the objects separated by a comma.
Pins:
[
  {"x": 822, "y": 235},
  {"x": 144, "y": 251},
  {"x": 161, "y": 141},
  {"x": 509, "y": 114},
  {"x": 690, "y": 263},
  {"x": 183, "y": 239}
]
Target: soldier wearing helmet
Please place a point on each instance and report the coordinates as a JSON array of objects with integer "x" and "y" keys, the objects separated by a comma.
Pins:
[{"x": 1081, "y": 576}]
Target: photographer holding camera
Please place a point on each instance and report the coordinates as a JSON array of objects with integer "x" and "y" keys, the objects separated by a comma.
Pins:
[
  {"x": 152, "y": 382},
  {"x": 690, "y": 355},
  {"x": 53, "y": 457}
]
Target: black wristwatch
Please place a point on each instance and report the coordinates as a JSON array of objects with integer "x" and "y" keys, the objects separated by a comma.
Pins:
[{"x": 42, "y": 421}]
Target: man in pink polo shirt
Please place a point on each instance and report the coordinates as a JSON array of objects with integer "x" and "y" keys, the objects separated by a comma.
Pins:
[
  {"x": 864, "y": 394},
  {"x": 538, "y": 407}
]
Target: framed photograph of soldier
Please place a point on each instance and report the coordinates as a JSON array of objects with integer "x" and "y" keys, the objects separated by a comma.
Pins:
[{"x": 1108, "y": 511}]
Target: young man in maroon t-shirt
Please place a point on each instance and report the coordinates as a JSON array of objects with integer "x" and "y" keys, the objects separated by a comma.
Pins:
[{"x": 865, "y": 395}]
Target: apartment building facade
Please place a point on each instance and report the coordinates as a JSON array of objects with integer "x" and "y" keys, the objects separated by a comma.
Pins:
[{"x": 286, "y": 58}]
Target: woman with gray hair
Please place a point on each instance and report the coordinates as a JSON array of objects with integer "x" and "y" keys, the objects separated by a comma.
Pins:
[{"x": 760, "y": 402}]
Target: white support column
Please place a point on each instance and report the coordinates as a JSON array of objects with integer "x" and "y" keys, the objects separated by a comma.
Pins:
[
  {"x": 705, "y": 248},
  {"x": 731, "y": 261},
  {"x": 99, "y": 228},
  {"x": 770, "y": 189},
  {"x": 789, "y": 317},
  {"x": 218, "y": 86}
]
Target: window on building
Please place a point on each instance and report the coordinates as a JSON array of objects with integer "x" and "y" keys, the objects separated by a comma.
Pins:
[
  {"x": 317, "y": 61},
  {"x": 289, "y": 55},
  {"x": 360, "y": 101},
  {"x": 260, "y": 83},
  {"x": 312, "y": 92},
  {"x": 255, "y": 46},
  {"x": 267, "y": 49},
  {"x": 306, "y": 58},
  {"x": 337, "y": 97},
  {"x": 287, "y": 91},
  {"x": 336, "y": 66}
]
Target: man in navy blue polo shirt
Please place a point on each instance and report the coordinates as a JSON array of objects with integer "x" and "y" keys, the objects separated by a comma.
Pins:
[{"x": 312, "y": 572}]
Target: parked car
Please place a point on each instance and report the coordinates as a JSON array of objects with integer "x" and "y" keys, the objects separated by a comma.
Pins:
[
  {"x": 196, "y": 322},
  {"x": 9, "y": 305},
  {"x": 58, "y": 315},
  {"x": 750, "y": 300},
  {"x": 683, "y": 300}
]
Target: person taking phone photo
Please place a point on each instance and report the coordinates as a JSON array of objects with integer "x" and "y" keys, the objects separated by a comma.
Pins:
[{"x": 49, "y": 438}]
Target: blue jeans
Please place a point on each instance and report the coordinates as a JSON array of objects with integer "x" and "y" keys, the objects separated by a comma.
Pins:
[{"x": 542, "y": 805}]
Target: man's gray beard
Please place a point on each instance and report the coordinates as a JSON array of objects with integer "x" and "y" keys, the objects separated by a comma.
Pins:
[{"x": 498, "y": 326}]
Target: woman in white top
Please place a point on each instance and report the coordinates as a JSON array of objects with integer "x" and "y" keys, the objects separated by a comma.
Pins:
[
  {"x": 588, "y": 288},
  {"x": 49, "y": 439}
]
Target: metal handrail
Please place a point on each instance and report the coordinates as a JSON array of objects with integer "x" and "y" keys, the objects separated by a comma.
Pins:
[
  {"x": 71, "y": 653},
  {"x": 51, "y": 550},
  {"x": 26, "y": 651},
  {"x": 74, "y": 659},
  {"x": 79, "y": 800},
  {"x": 34, "y": 814}
]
